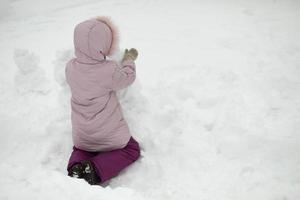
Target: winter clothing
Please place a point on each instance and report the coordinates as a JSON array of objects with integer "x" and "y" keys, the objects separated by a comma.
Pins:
[
  {"x": 105, "y": 165},
  {"x": 89, "y": 172},
  {"x": 97, "y": 119},
  {"x": 77, "y": 171},
  {"x": 85, "y": 170},
  {"x": 131, "y": 54}
]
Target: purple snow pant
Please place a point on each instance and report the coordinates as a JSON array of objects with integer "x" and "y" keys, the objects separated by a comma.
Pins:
[{"x": 108, "y": 164}]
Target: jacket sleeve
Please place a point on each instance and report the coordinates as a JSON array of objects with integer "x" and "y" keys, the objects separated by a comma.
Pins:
[{"x": 123, "y": 75}]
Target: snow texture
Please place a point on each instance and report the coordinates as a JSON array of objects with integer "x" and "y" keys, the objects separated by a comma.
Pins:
[{"x": 215, "y": 106}]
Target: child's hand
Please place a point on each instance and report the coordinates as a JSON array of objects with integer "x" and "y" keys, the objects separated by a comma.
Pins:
[{"x": 130, "y": 55}]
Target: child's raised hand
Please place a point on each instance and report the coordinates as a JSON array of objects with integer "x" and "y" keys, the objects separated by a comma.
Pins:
[{"x": 130, "y": 55}]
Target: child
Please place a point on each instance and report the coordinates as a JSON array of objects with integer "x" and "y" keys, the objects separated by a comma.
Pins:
[{"x": 103, "y": 145}]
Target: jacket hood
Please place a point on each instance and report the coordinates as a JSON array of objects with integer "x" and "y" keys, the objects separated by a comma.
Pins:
[{"x": 94, "y": 39}]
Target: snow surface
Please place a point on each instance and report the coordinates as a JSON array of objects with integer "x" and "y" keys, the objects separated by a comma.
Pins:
[{"x": 215, "y": 107}]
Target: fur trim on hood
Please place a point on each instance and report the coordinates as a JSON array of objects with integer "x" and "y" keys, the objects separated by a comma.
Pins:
[{"x": 115, "y": 33}]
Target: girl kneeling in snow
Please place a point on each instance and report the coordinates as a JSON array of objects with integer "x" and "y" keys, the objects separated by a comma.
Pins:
[{"x": 103, "y": 145}]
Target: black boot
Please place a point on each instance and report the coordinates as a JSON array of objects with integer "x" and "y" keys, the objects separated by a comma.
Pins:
[
  {"x": 76, "y": 171},
  {"x": 89, "y": 173}
]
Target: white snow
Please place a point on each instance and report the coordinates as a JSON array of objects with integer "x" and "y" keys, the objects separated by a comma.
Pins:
[{"x": 215, "y": 107}]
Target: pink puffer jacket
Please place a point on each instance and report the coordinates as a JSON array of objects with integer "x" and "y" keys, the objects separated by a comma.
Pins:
[{"x": 97, "y": 119}]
